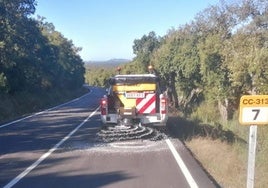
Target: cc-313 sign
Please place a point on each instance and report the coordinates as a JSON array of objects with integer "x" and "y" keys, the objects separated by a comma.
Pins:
[{"x": 253, "y": 110}]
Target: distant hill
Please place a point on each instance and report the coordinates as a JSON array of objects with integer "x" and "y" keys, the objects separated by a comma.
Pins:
[{"x": 108, "y": 63}]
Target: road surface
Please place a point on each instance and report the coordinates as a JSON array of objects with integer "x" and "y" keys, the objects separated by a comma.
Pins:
[{"x": 59, "y": 147}]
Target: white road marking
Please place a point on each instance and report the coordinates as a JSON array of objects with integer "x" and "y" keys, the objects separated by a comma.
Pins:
[
  {"x": 38, "y": 113},
  {"x": 181, "y": 164},
  {"x": 44, "y": 156}
]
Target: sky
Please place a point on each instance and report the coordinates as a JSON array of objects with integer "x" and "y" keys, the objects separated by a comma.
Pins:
[{"x": 106, "y": 29}]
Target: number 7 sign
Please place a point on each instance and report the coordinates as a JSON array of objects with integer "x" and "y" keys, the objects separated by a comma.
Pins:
[{"x": 253, "y": 110}]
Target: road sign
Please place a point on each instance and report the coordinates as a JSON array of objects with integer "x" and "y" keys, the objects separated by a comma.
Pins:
[{"x": 253, "y": 110}]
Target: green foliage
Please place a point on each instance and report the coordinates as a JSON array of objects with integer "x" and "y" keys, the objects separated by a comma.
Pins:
[
  {"x": 247, "y": 58},
  {"x": 69, "y": 67},
  {"x": 206, "y": 113},
  {"x": 144, "y": 48},
  {"x": 34, "y": 58},
  {"x": 97, "y": 76},
  {"x": 24, "y": 102},
  {"x": 218, "y": 57},
  {"x": 33, "y": 55}
]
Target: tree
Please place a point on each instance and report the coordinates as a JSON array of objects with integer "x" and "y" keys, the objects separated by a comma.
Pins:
[
  {"x": 163, "y": 62},
  {"x": 143, "y": 48},
  {"x": 35, "y": 57},
  {"x": 14, "y": 18},
  {"x": 67, "y": 66}
]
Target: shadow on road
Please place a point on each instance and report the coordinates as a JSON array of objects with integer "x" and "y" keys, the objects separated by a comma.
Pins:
[
  {"x": 42, "y": 132},
  {"x": 72, "y": 181}
]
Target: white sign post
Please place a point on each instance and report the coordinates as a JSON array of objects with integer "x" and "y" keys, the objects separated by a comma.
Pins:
[
  {"x": 251, "y": 155},
  {"x": 253, "y": 112}
]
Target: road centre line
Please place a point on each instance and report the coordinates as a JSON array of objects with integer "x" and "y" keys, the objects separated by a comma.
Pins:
[
  {"x": 38, "y": 113},
  {"x": 44, "y": 156},
  {"x": 181, "y": 164}
]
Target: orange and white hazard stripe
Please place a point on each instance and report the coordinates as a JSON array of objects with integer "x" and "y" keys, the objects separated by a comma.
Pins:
[{"x": 146, "y": 105}]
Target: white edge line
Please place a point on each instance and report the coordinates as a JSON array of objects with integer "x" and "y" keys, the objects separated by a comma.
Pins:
[
  {"x": 38, "y": 113},
  {"x": 44, "y": 156},
  {"x": 181, "y": 164}
]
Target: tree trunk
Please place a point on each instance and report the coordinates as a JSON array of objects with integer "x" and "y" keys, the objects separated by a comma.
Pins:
[
  {"x": 225, "y": 109},
  {"x": 174, "y": 97}
]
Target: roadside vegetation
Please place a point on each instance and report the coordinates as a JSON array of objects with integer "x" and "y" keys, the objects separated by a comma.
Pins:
[
  {"x": 39, "y": 67},
  {"x": 205, "y": 67},
  {"x": 98, "y": 73}
]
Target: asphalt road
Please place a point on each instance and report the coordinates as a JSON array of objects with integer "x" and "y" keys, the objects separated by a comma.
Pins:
[{"x": 59, "y": 148}]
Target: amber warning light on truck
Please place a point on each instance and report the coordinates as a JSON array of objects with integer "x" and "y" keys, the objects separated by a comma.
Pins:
[{"x": 253, "y": 110}]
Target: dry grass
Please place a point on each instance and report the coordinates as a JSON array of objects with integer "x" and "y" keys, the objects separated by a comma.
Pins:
[
  {"x": 222, "y": 148},
  {"x": 261, "y": 172},
  {"x": 221, "y": 160}
]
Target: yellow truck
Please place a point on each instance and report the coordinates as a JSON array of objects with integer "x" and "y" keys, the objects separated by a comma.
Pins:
[{"x": 134, "y": 99}]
